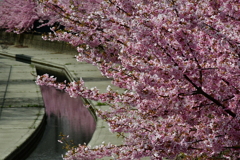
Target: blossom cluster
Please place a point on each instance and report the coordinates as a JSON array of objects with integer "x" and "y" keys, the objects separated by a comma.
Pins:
[{"x": 18, "y": 16}]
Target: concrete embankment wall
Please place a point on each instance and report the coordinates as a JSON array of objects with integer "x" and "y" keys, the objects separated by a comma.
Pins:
[{"x": 35, "y": 40}]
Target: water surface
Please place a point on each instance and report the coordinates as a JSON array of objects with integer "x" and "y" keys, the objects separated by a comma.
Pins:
[{"x": 66, "y": 116}]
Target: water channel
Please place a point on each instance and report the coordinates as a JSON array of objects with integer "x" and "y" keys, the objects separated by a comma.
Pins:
[{"x": 65, "y": 115}]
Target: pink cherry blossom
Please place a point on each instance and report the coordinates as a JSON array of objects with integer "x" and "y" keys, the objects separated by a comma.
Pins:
[{"x": 178, "y": 62}]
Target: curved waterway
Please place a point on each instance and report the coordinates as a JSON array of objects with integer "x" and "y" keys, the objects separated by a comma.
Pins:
[{"x": 65, "y": 115}]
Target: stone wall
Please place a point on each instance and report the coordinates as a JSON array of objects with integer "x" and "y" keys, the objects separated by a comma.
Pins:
[{"x": 35, "y": 41}]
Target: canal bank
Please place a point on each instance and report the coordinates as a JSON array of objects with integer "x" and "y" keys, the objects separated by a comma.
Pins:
[
  {"x": 65, "y": 63},
  {"x": 22, "y": 116}
]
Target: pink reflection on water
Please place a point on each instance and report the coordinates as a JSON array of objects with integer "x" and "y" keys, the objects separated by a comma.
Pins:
[{"x": 76, "y": 119}]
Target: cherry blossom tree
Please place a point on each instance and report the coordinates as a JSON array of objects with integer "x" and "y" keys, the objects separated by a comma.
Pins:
[
  {"x": 17, "y": 16},
  {"x": 179, "y": 63}
]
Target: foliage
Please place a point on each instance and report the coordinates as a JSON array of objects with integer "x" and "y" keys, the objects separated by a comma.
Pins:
[{"x": 179, "y": 63}]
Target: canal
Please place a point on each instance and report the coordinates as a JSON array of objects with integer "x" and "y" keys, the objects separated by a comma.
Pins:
[{"x": 65, "y": 115}]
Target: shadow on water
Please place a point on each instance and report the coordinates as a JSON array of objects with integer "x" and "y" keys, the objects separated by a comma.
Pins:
[{"x": 65, "y": 115}]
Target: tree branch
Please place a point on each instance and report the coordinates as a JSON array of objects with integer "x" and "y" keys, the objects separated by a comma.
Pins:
[{"x": 200, "y": 91}]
